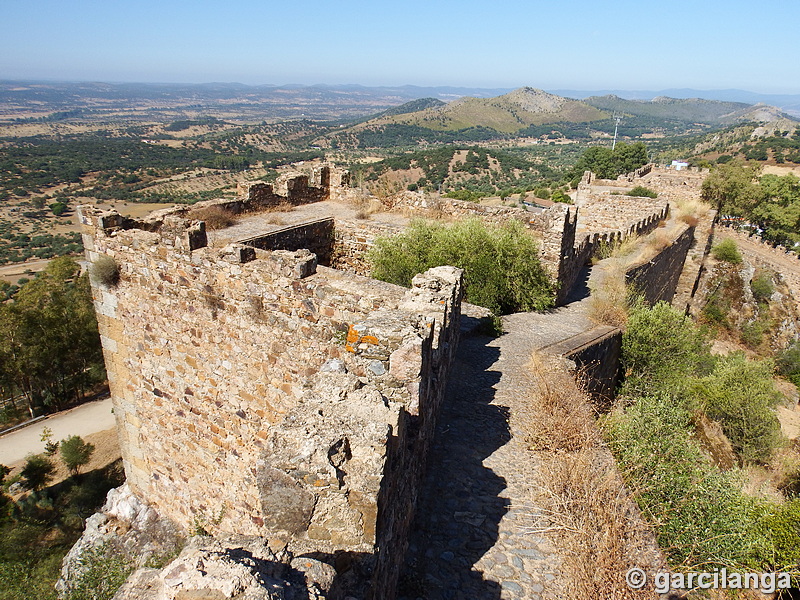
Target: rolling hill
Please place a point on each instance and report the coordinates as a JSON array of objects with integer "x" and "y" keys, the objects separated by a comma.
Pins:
[
  {"x": 688, "y": 110},
  {"x": 508, "y": 113}
]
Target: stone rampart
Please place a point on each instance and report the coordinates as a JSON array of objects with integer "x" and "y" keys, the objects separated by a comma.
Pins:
[
  {"x": 596, "y": 353},
  {"x": 617, "y": 212},
  {"x": 258, "y": 393},
  {"x": 657, "y": 279},
  {"x": 420, "y": 204},
  {"x": 763, "y": 254}
]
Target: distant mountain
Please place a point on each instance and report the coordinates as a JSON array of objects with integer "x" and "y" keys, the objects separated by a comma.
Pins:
[
  {"x": 413, "y": 106},
  {"x": 688, "y": 110},
  {"x": 692, "y": 110},
  {"x": 508, "y": 113},
  {"x": 786, "y": 102},
  {"x": 501, "y": 110}
]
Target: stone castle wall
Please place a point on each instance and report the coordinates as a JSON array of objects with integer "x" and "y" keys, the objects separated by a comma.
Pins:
[
  {"x": 764, "y": 254},
  {"x": 657, "y": 279},
  {"x": 316, "y": 236},
  {"x": 259, "y": 393}
]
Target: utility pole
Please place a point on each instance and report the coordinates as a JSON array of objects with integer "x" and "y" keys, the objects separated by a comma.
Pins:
[{"x": 617, "y": 119}]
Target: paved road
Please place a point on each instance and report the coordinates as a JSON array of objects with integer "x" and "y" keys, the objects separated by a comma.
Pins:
[{"x": 83, "y": 420}]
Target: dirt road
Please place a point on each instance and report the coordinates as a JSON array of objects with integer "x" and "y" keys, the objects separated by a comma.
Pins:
[{"x": 84, "y": 420}]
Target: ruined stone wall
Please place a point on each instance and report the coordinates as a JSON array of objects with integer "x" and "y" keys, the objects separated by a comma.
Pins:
[
  {"x": 638, "y": 173},
  {"x": 657, "y": 279},
  {"x": 763, "y": 254},
  {"x": 316, "y": 236},
  {"x": 598, "y": 366},
  {"x": 685, "y": 298},
  {"x": 353, "y": 239},
  {"x": 258, "y": 393},
  {"x": 418, "y": 203},
  {"x": 672, "y": 185},
  {"x": 291, "y": 188}
]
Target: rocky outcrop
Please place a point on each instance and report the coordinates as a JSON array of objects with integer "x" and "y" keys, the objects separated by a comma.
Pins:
[
  {"x": 240, "y": 567},
  {"x": 126, "y": 528}
]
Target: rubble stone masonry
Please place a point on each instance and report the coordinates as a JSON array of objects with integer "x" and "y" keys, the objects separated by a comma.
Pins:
[{"x": 259, "y": 393}]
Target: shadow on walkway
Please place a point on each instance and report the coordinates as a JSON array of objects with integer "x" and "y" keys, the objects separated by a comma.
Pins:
[{"x": 460, "y": 504}]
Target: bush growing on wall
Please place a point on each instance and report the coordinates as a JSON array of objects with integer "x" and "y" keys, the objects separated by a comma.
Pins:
[{"x": 502, "y": 271}]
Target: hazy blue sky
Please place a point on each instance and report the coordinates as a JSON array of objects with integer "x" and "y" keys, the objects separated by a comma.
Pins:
[{"x": 578, "y": 44}]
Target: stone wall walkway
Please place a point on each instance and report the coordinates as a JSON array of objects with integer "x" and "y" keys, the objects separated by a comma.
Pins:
[{"x": 472, "y": 535}]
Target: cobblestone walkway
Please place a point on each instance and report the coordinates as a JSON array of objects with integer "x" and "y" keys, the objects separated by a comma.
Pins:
[{"x": 473, "y": 535}]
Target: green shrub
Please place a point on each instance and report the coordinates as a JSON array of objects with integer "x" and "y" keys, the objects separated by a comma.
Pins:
[
  {"x": 103, "y": 573},
  {"x": 762, "y": 287},
  {"x": 661, "y": 347},
  {"x": 37, "y": 472},
  {"x": 560, "y": 196},
  {"x": 727, "y": 251},
  {"x": 501, "y": 267},
  {"x": 741, "y": 395},
  {"x": 58, "y": 208},
  {"x": 700, "y": 514},
  {"x": 781, "y": 525},
  {"x": 716, "y": 310},
  {"x": 6, "y": 504},
  {"x": 752, "y": 333},
  {"x": 642, "y": 192},
  {"x": 788, "y": 362}
]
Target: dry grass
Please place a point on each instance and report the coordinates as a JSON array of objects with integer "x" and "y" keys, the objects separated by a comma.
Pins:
[
  {"x": 659, "y": 240},
  {"x": 610, "y": 300},
  {"x": 689, "y": 210},
  {"x": 588, "y": 509},
  {"x": 215, "y": 217},
  {"x": 616, "y": 249},
  {"x": 275, "y": 219},
  {"x": 558, "y": 417},
  {"x": 582, "y": 499},
  {"x": 283, "y": 207},
  {"x": 105, "y": 270}
]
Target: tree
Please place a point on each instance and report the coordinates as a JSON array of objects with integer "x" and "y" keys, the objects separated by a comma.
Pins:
[
  {"x": 731, "y": 188},
  {"x": 58, "y": 208},
  {"x": 741, "y": 395},
  {"x": 75, "y": 453},
  {"x": 49, "y": 337},
  {"x": 37, "y": 472},
  {"x": 607, "y": 163}
]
